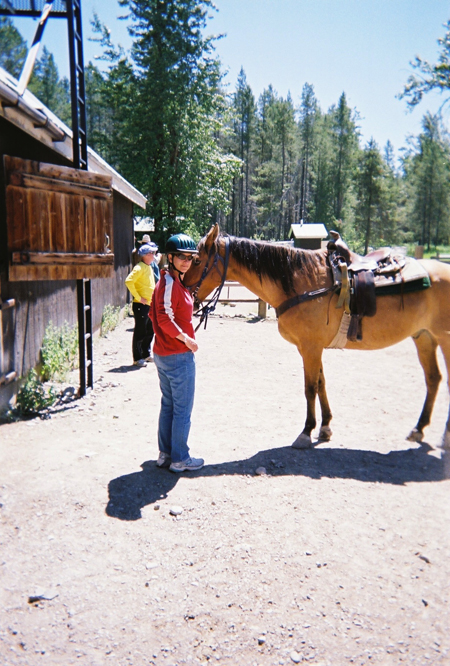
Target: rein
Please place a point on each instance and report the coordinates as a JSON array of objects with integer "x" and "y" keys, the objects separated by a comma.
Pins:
[{"x": 210, "y": 306}]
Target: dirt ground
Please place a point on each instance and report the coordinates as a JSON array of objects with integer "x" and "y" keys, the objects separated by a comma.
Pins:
[{"x": 336, "y": 555}]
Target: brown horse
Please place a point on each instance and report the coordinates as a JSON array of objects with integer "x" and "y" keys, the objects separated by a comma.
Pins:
[{"x": 276, "y": 273}]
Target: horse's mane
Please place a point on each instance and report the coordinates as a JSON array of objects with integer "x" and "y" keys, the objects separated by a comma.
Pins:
[{"x": 277, "y": 262}]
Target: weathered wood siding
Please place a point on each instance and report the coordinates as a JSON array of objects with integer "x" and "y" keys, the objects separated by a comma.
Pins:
[
  {"x": 39, "y": 302},
  {"x": 59, "y": 222}
]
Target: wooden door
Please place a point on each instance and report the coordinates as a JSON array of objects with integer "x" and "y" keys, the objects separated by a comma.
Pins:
[{"x": 59, "y": 222}]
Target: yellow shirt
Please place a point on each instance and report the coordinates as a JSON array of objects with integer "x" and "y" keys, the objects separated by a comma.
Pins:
[{"x": 141, "y": 282}]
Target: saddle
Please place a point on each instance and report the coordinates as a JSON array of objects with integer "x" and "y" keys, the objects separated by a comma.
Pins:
[{"x": 359, "y": 279}]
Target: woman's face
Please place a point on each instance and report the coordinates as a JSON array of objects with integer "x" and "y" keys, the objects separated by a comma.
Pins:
[
  {"x": 148, "y": 258},
  {"x": 182, "y": 261}
]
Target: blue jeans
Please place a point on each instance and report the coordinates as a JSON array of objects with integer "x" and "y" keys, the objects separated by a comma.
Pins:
[{"x": 177, "y": 382}]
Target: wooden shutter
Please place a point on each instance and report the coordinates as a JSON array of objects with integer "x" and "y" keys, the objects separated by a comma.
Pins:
[{"x": 59, "y": 222}]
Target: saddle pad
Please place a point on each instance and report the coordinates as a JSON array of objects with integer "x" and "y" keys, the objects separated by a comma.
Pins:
[{"x": 412, "y": 277}]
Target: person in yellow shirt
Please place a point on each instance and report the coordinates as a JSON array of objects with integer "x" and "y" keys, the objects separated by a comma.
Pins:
[{"x": 141, "y": 284}]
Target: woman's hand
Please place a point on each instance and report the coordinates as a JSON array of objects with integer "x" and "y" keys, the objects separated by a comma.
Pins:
[{"x": 189, "y": 342}]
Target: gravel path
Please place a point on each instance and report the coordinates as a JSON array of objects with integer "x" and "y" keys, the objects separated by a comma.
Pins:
[{"x": 332, "y": 556}]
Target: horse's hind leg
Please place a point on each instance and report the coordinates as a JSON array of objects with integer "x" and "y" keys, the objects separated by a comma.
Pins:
[
  {"x": 426, "y": 346},
  {"x": 445, "y": 348}
]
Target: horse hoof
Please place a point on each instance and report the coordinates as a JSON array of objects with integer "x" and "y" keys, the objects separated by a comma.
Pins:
[
  {"x": 415, "y": 436},
  {"x": 325, "y": 434},
  {"x": 302, "y": 442}
]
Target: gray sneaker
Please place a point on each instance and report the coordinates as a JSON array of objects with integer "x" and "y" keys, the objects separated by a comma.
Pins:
[
  {"x": 141, "y": 363},
  {"x": 190, "y": 464},
  {"x": 164, "y": 460}
]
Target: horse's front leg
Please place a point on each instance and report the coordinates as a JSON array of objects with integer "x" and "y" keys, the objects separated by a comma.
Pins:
[{"x": 314, "y": 385}]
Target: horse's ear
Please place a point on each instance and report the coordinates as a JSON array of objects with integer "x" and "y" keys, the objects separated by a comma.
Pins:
[{"x": 211, "y": 236}]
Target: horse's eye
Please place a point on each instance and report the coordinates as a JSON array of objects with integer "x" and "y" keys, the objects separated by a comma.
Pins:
[{"x": 196, "y": 261}]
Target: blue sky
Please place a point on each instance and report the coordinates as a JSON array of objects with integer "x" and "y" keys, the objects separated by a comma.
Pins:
[{"x": 360, "y": 47}]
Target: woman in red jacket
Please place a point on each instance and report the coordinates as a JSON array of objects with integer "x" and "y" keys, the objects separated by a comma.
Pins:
[{"x": 173, "y": 351}]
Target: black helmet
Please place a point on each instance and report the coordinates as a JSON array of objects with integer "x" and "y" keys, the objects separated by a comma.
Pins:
[{"x": 180, "y": 243}]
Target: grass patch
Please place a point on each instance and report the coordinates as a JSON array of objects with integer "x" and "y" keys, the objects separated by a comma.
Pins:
[
  {"x": 110, "y": 319},
  {"x": 59, "y": 352}
]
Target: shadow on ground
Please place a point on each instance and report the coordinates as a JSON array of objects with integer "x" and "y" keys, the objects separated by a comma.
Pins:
[
  {"x": 125, "y": 368},
  {"x": 129, "y": 493}
]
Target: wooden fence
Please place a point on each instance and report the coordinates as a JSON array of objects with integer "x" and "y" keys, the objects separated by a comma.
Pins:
[{"x": 228, "y": 296}]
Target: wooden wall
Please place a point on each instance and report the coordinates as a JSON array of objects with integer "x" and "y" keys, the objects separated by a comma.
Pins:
[
  {"x": 39, "y": 302},
  {"x": 59, "y": 222}
]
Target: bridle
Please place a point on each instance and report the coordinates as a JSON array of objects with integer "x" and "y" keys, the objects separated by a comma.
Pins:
[{"x": 214, "y": 259}]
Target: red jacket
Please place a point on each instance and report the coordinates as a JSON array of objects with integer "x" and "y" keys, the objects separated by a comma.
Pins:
[{"x": 171, "y": 314}]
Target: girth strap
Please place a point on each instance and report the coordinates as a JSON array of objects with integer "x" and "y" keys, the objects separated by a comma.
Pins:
[{"x": 301, "y": 298}]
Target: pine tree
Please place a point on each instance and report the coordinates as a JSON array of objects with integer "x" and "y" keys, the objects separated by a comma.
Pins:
[
  {"x": 428, "y": 173},
  {"x": 177, "y": 81},
  {"x": 13, "y": 47},
  {"x": 273, "y": 192},
  {"x": 369, "y": 184},
  {"x": 431, "y": 76},
  {"x": 345, "y": 144},
  {"x": 309, "y": 110},
  {"x": 244, "y": 131},
  {"x": 49, "y": 88}
]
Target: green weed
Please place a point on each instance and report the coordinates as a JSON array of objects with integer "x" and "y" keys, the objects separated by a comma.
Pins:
[
  {"x": 32, "y": 397},
  {"x": 110, "y": 319},
  {"x": 59, "y": 351}
]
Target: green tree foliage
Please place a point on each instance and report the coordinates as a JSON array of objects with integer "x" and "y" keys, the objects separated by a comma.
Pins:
[
  {"x": 431, "y": 76},
  {"x": 369, "y": 182},
  {"x": 274, "y": 192},
  {"x": 320, "y": 207},
  {"x": 286, "y": 133},
  {"x": 309, "y": 113},
  {"x": 111, "y": 98},
  {"x": 176, "y": 110},
  {"x": 344, "y": 148},
  {"x": 99, "y": 115},
  {"x": 392, "y": 202},
  {"x": 45, "y": 82},
  {"x": 427, "y": 168},
  {"x": 49, "y": 88},
  {"x": 13, "y": 47},
  {"x": 244, "y": 131}
]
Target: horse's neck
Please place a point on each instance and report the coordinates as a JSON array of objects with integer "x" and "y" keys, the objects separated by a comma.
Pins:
[
  {"x": 267, "y": 290},
  {"x": 271, "y": 291}
]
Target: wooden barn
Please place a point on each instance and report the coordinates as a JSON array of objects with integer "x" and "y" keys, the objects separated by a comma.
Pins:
[
  {"x": 60, "y": 228},
  {"x": 308, "y": 236}
]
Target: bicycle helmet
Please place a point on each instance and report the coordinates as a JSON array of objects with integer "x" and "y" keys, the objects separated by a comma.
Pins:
[{"x": 181, "y": 243}]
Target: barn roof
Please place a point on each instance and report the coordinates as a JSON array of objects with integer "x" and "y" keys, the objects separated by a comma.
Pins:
[
  {"x": 30, "y": 115},
  {"x": 310, "y": 230}
]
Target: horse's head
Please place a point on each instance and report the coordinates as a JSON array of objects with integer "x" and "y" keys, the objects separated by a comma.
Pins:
[{"x": 206, "y": 271}]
